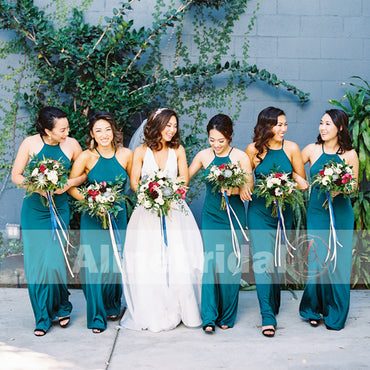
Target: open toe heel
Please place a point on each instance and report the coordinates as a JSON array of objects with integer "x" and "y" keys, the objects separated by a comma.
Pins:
[{"x": 209, "y": 329}]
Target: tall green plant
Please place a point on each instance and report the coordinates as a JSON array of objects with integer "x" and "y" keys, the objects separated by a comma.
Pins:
[{"x": 357, "y": 105}]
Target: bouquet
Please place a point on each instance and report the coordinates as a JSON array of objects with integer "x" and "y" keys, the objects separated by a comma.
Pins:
[
  {"x": 46, "y": 175},
  {"x": 227, "y": 175},
  {"x": 101, "y": 199},
  {"x": 278, "y": 188},
  {"x": 159, "y": 193},
  {"x": 335, "y": 177}
]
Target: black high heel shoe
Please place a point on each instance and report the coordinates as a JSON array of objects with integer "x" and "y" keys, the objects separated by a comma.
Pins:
[
  {"x": 269, "y": 335},
  {"x": 206, "y": 329},
  {"x": 314, "y": 323},
  {"x": 40, "y": 332},
  {"x": 67, "y": 319},
  {"x": 97, "y": 330}
]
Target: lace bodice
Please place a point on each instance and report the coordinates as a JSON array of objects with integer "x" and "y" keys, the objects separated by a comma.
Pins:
[{"x": 150, "y": 165}]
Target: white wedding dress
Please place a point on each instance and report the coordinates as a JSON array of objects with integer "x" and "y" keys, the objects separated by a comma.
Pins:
[{"x": 162, "y": 284}]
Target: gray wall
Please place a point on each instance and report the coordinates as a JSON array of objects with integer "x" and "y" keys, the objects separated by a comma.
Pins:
[{"x": 315, "y": 45}]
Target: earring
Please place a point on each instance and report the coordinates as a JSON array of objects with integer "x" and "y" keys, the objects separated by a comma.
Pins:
[{"x": 92, "y": 144}]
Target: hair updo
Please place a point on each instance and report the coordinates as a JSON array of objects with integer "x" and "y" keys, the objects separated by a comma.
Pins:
[
  {"x": 46, "y": 119},
  {"x": 223, "y": 124}
]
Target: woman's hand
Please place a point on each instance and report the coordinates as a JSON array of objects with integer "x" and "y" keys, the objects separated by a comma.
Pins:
[
  {"x": 302, "y": 183},
  {"x": 229, "y": 191},
  {"x": 245, "y": 194}
]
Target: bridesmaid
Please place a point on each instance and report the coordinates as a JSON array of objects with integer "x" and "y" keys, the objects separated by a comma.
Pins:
[
  {"x": 328, "y": 292},
  {"x": 43, "y": 256},
  {"x": 220, "y": 283},
  {"x": 105, "y": 160},
  {"x": 269, "y": 150}
]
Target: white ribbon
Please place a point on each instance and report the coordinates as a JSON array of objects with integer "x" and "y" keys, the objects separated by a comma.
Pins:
[
  {"x": 280, "y": 233},
  {"x": 65, "y": 236},
  {"x": 332, "y": 235},
  {"x": 114, "y": 244},
  {"x": 234, "y": 238}
]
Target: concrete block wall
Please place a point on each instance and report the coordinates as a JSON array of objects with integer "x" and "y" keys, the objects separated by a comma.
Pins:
[{"x": 315, "y": 45}]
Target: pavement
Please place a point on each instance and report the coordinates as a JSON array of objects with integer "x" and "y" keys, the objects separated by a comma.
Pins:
[{"x": 296, "y": 345}]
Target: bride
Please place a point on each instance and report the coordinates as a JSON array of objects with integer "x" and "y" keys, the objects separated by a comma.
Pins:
[{"x": 162, "y": 283}]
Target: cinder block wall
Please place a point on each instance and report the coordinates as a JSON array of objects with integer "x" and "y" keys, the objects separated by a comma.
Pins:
[{"x": 315, "y": 45}]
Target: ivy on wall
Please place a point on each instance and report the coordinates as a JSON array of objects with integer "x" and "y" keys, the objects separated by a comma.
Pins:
[{"x": 126, "y": 70}]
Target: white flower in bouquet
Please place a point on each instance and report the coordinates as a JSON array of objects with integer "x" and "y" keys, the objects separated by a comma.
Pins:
[
  {"x": 278, "y": 192},
  {"x": 328, "y": 172},
  {"x": 160, "y": 201},
  {"x": 41, "y": 179},
  {"x": 147, "y": 204},
  {"x": 110, "y": 198},
  {"x": 325, "y": 180},
  {"x": 160, "y": 182},
  {"x": 228, "y": 173},
  {"x": 160, "y": 174},
  {"x": 35, "y": 172},
  {"x": 52, "y": 176}
]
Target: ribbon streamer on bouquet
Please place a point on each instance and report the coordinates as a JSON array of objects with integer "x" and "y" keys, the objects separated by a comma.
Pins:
[
  {"x": 281, "y": 236},
  {"x": 333, "y": 234},
  {"x": 164, "y": 244},
  {"x": 56, "y": 226},
  {"x": 234, "y": 238},
  {"x": 113, "y": 232}
]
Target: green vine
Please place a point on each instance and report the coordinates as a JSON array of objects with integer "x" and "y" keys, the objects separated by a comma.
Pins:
[{"x": 126, "y": 70}]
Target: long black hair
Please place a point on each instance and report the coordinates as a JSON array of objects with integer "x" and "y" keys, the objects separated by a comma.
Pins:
[{"x": 340, "y": 120}]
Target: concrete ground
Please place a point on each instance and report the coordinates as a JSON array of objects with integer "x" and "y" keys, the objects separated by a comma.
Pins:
[{"x": 296, "y": 345}]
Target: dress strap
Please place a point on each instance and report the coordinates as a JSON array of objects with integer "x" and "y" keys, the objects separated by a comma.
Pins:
[
  {"x": 230, "y": 151},
  {"x": 282, "y": 144},
  {"x": 42, "y": 139},
  {"x": 322, "y": 147},
  {"x": 98, "y": 152}
]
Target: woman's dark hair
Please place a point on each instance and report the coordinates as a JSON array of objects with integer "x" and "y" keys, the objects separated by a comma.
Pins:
[
  {"x": 156, "y": 124},
  {"x": 340, "y": 120},
  {"x": 267, "y": 119},
  {"x": 223, "y": 124},
  {"x": 46, "y": 119},
  {"x": 117, "y": 134}
]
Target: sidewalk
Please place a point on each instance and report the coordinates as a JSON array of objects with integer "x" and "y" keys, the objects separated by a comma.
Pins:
[{"x": 295, "y": 345}]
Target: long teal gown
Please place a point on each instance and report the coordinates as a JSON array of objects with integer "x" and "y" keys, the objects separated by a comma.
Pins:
[
  {"x": 327, "y": 292},
  {"x": 262, "y": 228},
  {"x": 221, "y": 278},
  {"x": 100, "y": 275},
  {"x": 43, "y": 257}
]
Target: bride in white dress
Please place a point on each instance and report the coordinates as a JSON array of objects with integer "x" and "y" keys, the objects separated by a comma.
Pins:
[{"x": 162, "y": 284}]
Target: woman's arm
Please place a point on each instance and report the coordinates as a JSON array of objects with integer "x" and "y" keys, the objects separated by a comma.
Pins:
[
  {"x": 196, "y": 165},
  {"x": 246, "y": 190},
  {"x": 182, "y": 164},
  {"x": 78, "y": 172},
  {"x": 137, "y": 164},
  {"x": 20, "y": 162},
  {"x": 352, "y": 160}
]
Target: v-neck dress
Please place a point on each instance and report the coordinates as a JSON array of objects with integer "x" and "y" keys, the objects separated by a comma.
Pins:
[{"x": 162, "y": 284}]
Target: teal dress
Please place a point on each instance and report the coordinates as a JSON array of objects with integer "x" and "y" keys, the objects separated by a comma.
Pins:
[
  {"x": 221, "y": 278},
  {"x": 44, "y": 263},
  {"x": 327, "y": 291},
  {"x": 100, "y": 275},
  {"x": 262, "y": 229}
]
